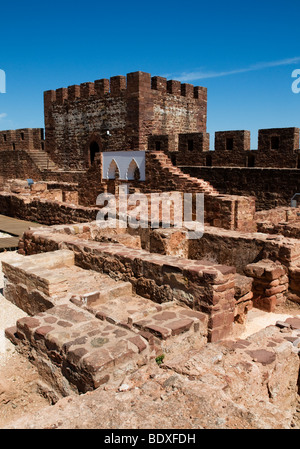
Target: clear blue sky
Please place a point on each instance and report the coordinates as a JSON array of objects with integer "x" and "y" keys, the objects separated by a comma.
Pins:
[{"x": 243, "y": 52}]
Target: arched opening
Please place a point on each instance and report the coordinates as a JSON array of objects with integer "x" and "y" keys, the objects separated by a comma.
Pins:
[
  {"x": 113, "y": 170},
  {"x": 94, "y": 149},
  {"x": 133, "y": 172}
]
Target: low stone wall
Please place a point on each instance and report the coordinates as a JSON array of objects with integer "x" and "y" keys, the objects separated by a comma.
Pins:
[
  {"x": 243, "y": 295},
  {"x": 230, "y": 212},
  {"x": 241, "y": 248},
  {"x": 199, "y": 285},
  {"x": 279, "y": 214},
  {"x": 291, "y": 230},
  {"x": 55, "y": 206},
  {"x": 294, "y": 276},
  {"x": 31, "y": 284},
  {"x": 271, "y": 187},
  {"x": 18, "y": 164},
  {"x": 44, "y": 211},
  {"x": 270, "y": 284}
]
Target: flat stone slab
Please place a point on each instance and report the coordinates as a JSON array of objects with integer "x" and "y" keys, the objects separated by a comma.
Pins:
[
  {"x": 82, "y": 282},
  {"x": 172, "y": 321},
  {"x": 294, "y": 322},
  {"x": 87, "y": 350},
  {"x": 135, "y": 312}
]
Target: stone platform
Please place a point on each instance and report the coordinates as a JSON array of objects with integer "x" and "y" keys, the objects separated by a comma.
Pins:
[{"x": 88, "y": 329}]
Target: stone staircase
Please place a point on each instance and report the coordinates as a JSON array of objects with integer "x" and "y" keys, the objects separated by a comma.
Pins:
[
  {"x": 179, "y": 180},
  {"x": 42, "y": 160},
  {"x": 84, "y": 328}
]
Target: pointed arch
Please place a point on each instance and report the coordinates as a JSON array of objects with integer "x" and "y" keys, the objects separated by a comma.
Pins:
[
  {"x": 133, "y": 172},
  {"x": 113, "y": 171},
  {"x": 94, "y": 150}
]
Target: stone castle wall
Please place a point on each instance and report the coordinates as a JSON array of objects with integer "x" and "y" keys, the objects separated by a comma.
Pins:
[{"x": 129, "y": 108}]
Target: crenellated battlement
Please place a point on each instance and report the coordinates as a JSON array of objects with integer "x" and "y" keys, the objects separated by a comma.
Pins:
[
  {"x": 272, "y": 139},
  {"x": 276, "y": 147},
  {"x": 124, "y": 85},
  {"x": 22, "y": 139}
]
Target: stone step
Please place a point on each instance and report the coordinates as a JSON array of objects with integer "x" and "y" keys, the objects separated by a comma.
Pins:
[
  {"x": 42, "y": 159},
  {"x": 34, "y": 287},
  {"x": 173, "y": 321},
  {"x": 68, "y": 343},
  {"x": 141, "y": 314},
  {"x": 185, "y": 181}
]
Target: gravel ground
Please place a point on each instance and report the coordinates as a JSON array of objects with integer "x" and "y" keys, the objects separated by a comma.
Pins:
[{"x": 258, "y": 319}]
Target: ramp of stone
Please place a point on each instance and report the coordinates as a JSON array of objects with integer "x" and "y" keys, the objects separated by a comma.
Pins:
[{"x": 85, "y": 350}]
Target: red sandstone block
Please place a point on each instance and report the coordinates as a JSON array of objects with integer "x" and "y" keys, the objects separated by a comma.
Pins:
[
  {"x": 159, "y": 331},
  {"x": 11, "y": 334},
  {"x": 284, "y": 279},
  {"x": 221, "y": 319},
  {"x": 275, "y": 273},
  {"x": 193, "y": 314},
  {"x": 138, "y": 81},
  {"x": 28, "y": 323},
  {"x": 265, "y": 303},
  {"x": 293, "y": 322},
  {"x": 224, "y": 286},
  {"x": 148, "y": 336},
  {"x": 49, "y": 97},
  {"x": 74, "y": 355},
  {"x": 274, "y": 290},
  {"x": 138, "y": 342},
  {"x": 164, "y": 316},
  {"x": 218, "y": 334},
  {"x": 244, "y": 298},
  {"x": 97, "y": 360},
  {"x": 274, "y": 283},
  {"x": 40, "y": 332},
  {"x": 179, "y": 326},
  {"x": 225, "y": 269},
  {"x": 216, "y": 298},
  {"x": 262, "y": 356}
]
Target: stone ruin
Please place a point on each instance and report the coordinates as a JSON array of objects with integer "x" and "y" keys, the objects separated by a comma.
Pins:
[{"x": 110, "y": 303}]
